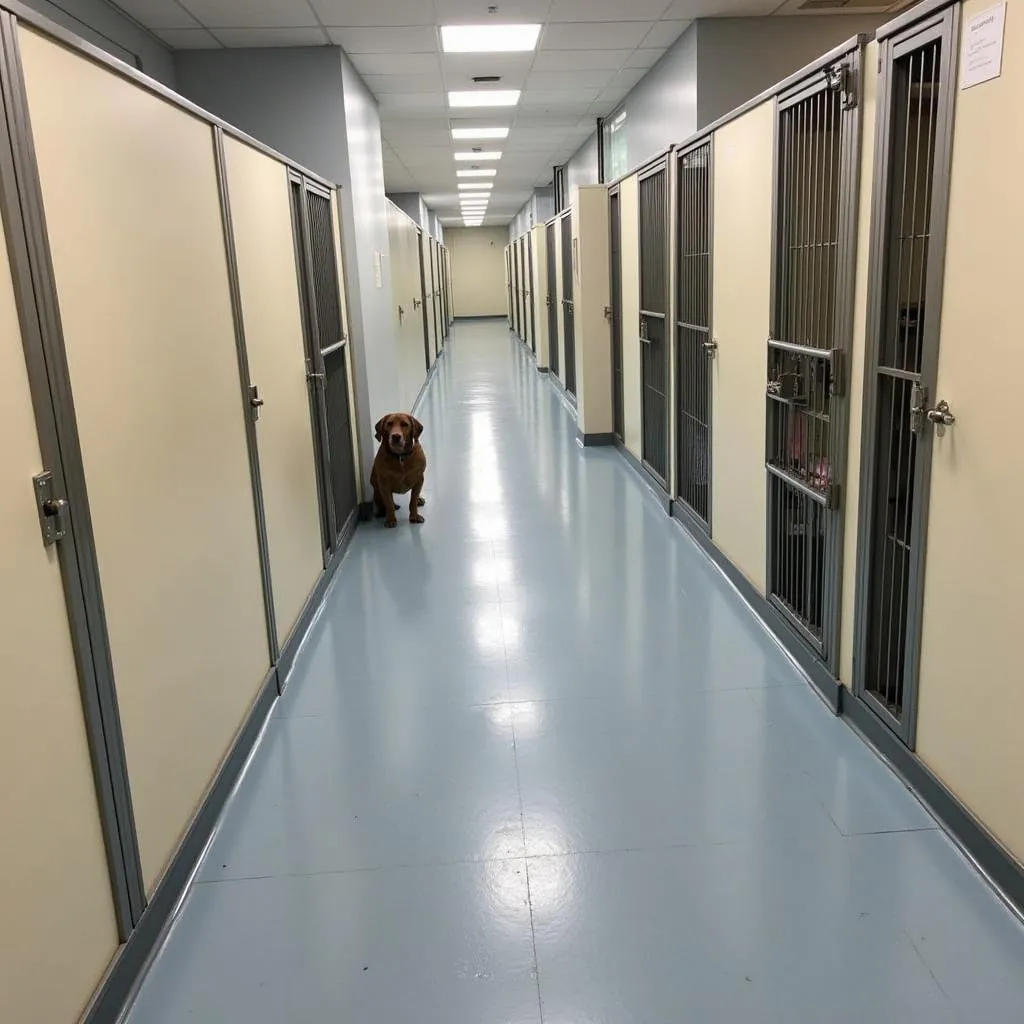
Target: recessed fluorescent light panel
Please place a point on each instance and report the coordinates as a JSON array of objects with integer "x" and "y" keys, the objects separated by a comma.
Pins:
[
  {"x": 475, "y": 197},
  {"x": 483, "y": 98},
  {"x": 489, "y": 38},
  {"x": 475, "y": 186},
  {"x": 479, "y": 133},
  {"x": 477, "y": 172},
  {"x": 491, "y": 154}
]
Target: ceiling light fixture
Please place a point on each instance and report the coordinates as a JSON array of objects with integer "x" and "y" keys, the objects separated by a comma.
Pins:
[
  {"x": 491, "y": 154},
  {"x": 474, "y": 197},
  {"x": 489, "y": 38},
  {"x": 479, "y": 133},
  {"x": 477, "y": 172},
  {"x": 475, "y": 186},
  {"x": 483, "y": 98}
]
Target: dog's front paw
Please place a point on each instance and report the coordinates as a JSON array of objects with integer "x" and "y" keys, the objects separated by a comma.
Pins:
[
  {"x": 416, "y": 518},
  {"x": 391, "y": 523}
]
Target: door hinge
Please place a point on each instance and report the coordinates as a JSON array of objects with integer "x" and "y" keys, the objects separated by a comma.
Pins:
[
  {"x": 841, "y": 78},
  {"x": 52, "y": 509}
]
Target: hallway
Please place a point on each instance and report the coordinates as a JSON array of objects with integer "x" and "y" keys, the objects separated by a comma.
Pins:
[{"x": 537, "y": 762}]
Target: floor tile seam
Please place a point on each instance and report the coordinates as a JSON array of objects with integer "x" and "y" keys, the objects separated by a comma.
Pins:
[
  {"x": 529, "y": 894},
  {"x": 367, "y": 870}
]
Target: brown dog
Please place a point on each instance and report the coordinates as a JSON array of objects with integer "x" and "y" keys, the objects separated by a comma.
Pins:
[{"x": 398, "y": 466}]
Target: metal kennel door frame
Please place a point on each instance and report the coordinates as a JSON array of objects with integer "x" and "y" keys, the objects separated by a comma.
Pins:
[
  {"x": 817, "y": 163},
  {"x": 695, "y": 345},
  {"x": 916, "y": 95},
  {"x": 422, "y": 297},
  {"x": 552, "y": 299},
  {"x": 326, "y": 368},
  {"x": 615, "y": 308},
  {"x": 530, "y": 312},
  {"x": 654, "y": 319},
  {"x": 508, "y": 281},
  {"x": 568, "y": 303}
]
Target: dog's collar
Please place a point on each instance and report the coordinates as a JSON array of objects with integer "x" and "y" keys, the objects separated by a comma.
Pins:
[{"x": 404, "y": 455}]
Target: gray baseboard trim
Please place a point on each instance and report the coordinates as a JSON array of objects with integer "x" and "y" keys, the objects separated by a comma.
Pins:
[
  {"x": 569, "y": 401},
  {"x": 431, "y": 373},
  {"x": 641, "y": 471},
  {"x": 300, "y": 631},
  {"x": 113, "y": 999},
  {"x": 606, "y": 440},
  {"x": 489, "y": 316},
  {"x": 828, "y": 687},
  {"x": 995, "y": 863}
]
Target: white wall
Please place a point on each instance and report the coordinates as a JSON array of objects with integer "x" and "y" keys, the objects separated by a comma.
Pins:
[{"x": 478, "y": 270}]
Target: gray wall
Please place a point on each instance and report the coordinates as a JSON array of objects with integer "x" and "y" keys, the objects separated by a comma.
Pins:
[
  {"x": 411, "y": 203},
  {"x": 104, "y": 26},
  {"x": 580, "y": 170},
  {"x": 289, "y": 98},
  {"x": 739, "y": 57},
  {"x": 539, "y": 208}
]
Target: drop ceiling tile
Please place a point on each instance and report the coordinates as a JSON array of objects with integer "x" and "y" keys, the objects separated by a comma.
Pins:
[
  {"x": 665, "y": 33},
  {"x": 385, "y": 40},
  {"x": 539, "y": 80},
  {"x": 251, "y": 13},
  {"x": 473, "y": 11},
  {"x": 157, "y": 14},
  {"x": 379, "y": 13},
  {"x": 188, "y": 39},
  {"x": 645, "y": 57},
  {"x": 380, "y": 85},
  {"x": 609, "y": 35},
  {"x": 581, "y": 60},
  {"x": 396, "y": 63},
  {"x": 408, "y": 102},
  {"x": 559, "y": 99},
  {"x": 691, "y": 9},
  {"x": 257, "y": 37},
  {"x": 606, "y": 10}
]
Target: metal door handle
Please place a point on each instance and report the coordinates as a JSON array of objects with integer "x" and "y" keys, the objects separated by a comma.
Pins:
[
  {"x": 941, "y": 417},
  {"x": 416, "y": 304},
  {"x": 52, "y": 507},
  {"x": 607, "y": 312},
  {"x": 711, "y": 347}
]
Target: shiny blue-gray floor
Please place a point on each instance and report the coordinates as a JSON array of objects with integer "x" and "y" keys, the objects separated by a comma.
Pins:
[{"x": 538, "y": 762}]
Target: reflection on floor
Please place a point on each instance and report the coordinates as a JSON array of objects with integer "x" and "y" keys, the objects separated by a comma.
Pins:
[{"x": 538, "y": 762}]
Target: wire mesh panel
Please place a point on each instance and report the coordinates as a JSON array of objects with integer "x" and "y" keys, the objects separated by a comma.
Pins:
[
  {"x": 914, "y": 139},
  {"x": 552, "y": 300},
  {"x": 653, "y": 315},
  {"x": 615, "y": 264},
  {"x": 568, "y": 306},
  {"x": 813, "y": 266},
  {"x": 694, "y": 346},
  {"x": 508, "y": 281},
  {"x": 324, "y": 263}
]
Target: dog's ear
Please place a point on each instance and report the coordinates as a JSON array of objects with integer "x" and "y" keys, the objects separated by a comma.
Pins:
[
  {"x": 417, "y": 427},
  {"x": 380, "y": 427}
]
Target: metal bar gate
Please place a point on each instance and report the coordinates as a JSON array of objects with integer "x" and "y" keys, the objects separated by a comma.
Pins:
[
  {"x": 653, "y": 320},
  {"x": 568, "y": 306},
  {"x": 531, "y": 316},
  {"x": 694, "y": 344},
  {"x": 816, "y": 155},
  {"x": 916, "y": 95}
]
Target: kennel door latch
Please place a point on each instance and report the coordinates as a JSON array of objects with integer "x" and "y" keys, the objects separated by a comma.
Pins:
[
  {"x": 255, "y": 402},
  {"x": 52, "y": 509},
  {"x": 941, "y": 417}
]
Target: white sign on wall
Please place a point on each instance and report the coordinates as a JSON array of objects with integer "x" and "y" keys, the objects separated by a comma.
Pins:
[
  {"x": 378, "y": 269},
  {"x": 981, "y": 57}
]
